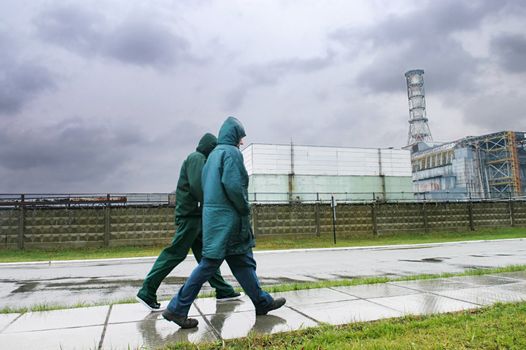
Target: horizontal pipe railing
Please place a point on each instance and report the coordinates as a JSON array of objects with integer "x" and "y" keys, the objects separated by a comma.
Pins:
[{"x": 155, "y": 199}]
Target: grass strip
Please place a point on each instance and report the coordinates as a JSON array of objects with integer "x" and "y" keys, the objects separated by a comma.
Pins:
[
  {"x": 500, "y": 326},
  {"x": 271, "y": 242},
  {"x": 290, "y": 287}
]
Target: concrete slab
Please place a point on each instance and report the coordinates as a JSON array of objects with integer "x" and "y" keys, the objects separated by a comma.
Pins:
[
  {"x": 485, "y": 295},
  {"x": 313, "y": 296},
  {"x": 518, "y": 275},
  {"x": 423, "y": 304},
  {"x": 136, "y": 312},
  {"x": 515, "y": 287},
  {"x": 152, "y": 332},
  {"x": 379, "y": 290},
  {"x": 59, "y": 319},
  {"x": 433, "y": 285},
  {"x": 240, "y": 324},
  {"x": 210, "y": 306},
  {"x": 79, "y": 338},
  {"x": 484, "y": 280},
  {"x": 6, "y": 319},
  {"x": 343, "y": 312}
]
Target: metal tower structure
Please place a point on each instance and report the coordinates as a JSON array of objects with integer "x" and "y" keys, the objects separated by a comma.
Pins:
[{"x": 418, "y": 128}]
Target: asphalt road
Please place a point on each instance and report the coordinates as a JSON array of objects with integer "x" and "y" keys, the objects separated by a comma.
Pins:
[{"x": 72, "y": 282}]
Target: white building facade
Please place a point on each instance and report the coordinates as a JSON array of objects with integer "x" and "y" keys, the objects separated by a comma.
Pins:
[{"x": 308, "y": 173}]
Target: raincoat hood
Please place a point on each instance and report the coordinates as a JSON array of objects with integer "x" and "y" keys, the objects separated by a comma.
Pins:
[
  {"x": 207, "y": 143},
  {"x": 231, "y": 132}
]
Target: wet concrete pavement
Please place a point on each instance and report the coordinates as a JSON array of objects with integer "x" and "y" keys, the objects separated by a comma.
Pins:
[
  {"x": 104, "y": 281},
  {"x": 130, "y": 326}
]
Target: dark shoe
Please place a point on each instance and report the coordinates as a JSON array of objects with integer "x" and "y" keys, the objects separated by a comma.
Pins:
[
  {"x": 181, "y": 321},
  {"x": 150, "y": 304},
  {"x": 276, "y": 304},
  {"x": 234, "y": 296}
]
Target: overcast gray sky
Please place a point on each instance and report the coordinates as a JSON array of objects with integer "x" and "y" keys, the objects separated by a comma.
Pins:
[{"x": 110, "y": 96}]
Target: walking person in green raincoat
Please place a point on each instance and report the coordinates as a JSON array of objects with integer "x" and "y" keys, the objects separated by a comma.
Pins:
[
  {"x": 188, "y": 212},
  {"x": 227, "y": 233}
]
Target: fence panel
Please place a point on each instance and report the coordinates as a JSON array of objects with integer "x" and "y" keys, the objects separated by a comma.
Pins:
[
  {"x": 141, "y": 225},
  {"x": 9, "y": 221},
  {"x": 354, "y": 220},
  {"x": 396, "y": 217},
  {"x": 519, "y": 213},
  {"x": 284, "y": 219},
  {"x": 491, "y": 214},
  {"x": 50, "y": 227},
  {"x": 447, "y": 216}
]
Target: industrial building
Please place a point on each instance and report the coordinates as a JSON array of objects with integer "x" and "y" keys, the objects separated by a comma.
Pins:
[
  {"x": 477, "y": 167},
  {"x": 309, "y": 173},
  {"x": 487, "y": 166},
  {"x": 480, "y": 167}
]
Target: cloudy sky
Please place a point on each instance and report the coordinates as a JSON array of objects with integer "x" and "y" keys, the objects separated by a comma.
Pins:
[{"x": 110, "y": 96}]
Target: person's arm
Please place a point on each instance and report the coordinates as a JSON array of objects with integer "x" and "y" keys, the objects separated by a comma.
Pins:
[
  {"x": 194, "y": 168},
  {"x": 232, "y": 180}
]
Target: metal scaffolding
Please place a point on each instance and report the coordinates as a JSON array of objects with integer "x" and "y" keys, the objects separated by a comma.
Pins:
[{"x": 499, "y": 163}]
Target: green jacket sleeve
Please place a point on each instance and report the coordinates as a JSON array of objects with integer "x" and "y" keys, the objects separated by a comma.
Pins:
[
  {"x": 194, "y": 168},
  {"x": 232, "y": 180}
]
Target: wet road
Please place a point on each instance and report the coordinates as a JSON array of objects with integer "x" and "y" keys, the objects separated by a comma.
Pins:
[{"x": 110, "y": 280}]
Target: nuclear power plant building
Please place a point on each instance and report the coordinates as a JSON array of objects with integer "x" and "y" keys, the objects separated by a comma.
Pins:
[{"x": 476, "y": 167}]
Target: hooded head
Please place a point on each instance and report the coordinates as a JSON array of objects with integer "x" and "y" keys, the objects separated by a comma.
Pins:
[
  {"x": 231, "y": 132},
  {"x": 207, "y": 143}
]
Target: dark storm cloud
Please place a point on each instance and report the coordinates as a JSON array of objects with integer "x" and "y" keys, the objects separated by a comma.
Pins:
[
  {"x": 422, "y": 39},
  {"x": 133, "y": 41},
  {"x": 510, "y": 50},
  {"x": 74, "y": 28},
  {"x": 145, "y": 43},
  {"x": 271, "y": 73},
  {"x": 65, "y": 153},
  {"x": 20, "y": 80}
]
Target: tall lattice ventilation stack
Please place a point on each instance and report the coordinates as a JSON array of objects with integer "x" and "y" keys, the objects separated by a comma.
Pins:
[{"x": 418, "y": 128}]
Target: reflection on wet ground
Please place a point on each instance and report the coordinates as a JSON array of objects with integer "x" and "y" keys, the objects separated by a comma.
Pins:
[
  {"x": 69, "y": 283},
  {"x": 124, "y": 326}
]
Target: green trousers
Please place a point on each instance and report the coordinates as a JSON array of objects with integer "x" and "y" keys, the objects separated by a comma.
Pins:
[{"x": 188, "y": 235}]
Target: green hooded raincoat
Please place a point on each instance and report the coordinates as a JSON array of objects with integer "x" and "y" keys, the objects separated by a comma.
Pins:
[
  {"x": 226, "y": 211},
  {"x": 189, "y": 192}
]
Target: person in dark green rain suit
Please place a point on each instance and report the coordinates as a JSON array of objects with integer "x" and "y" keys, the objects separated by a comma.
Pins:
[
  {"x": 188, "y": 197},
  {"x": 227, "y": 233}
]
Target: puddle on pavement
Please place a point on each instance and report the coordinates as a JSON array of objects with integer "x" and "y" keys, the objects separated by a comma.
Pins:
[
  {"x": 26, "y": 288},
  {"x": 427, "y": 260}
]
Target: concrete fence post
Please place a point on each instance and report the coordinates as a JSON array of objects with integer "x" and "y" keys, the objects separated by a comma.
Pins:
[
  {"x": 107, "y": 222},
  {"x": 21, "y": 222},
  {"x": 470, "y": 215},
  {"x": 374, "y": 218},
  {"x": 317, "y": 218},
  {"x": 255, "y": 225},
  {"x": 512, "y": 212},
  {"x": 424, "y": 217}
]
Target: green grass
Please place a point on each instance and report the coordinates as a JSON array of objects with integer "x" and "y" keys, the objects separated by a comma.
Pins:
[
  {"x": 501, "y": 326},
  {"x": 268, "y": 243},
  {"x": 289, "y": 287},
  {"x": 343, "y": 240}
]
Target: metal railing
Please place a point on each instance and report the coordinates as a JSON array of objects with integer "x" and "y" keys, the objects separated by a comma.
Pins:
[
  {"x": 84, "y": 199},
  {"x": 156, "y": 199},
  {"x": 372, "y": 197}
]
